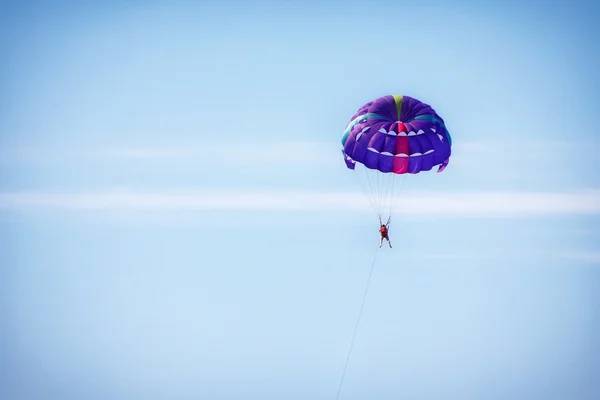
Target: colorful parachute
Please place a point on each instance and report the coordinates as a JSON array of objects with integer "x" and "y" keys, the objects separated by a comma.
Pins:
[{"x": 390, "y": 137}]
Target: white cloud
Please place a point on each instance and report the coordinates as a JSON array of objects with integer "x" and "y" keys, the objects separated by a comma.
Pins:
[
  {"x": 494, "y": 160},
  {"x": 453, "y": 256},
  {"x": 277, "y": 152},
  {"x": 588, "y": 257},
  {"x": 514, "y": 158},
  {"x": 462, "y": 150},
  {"x": 229, "y": 153},
  {"x": 592, "y": 257},
  {"x": 481, "y": 204}
]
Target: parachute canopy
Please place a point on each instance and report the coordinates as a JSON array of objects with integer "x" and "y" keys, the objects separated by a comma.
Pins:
[
  {"x": 397, "y": 134},
  {"x": 393, "y": 136}
]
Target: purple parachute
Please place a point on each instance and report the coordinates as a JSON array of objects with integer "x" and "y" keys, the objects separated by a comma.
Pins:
[
  {"x": 397, "y": 134},
  {"x": 394, "y": 136}
]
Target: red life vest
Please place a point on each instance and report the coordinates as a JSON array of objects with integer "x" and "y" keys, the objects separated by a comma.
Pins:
[{"x": 383, "y": 230}]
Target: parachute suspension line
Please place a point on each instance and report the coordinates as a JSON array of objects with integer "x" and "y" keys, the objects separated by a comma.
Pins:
[
  {"x": 391, "y": 196},
  {"x": 371, "y": 176},
  {"x": 362, "y": 304},
  {"x": 397, "y": 202},
  {"x": 364, "y": 190},
  {"x": 381, "y": 193},
  {"x": 372, "y": 198},
  {"x": 369, "y": 192},
  {"x": 387, "y": 195},
  {"x": 380, "y": 185},
  {"x": 381, "y": 190}
]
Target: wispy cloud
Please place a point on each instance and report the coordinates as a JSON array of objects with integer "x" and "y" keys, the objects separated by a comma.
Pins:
[
  {"x": 592, "y": 257},
  {"x": 439, "y": 204},
  {"x": 588, "y": 257},
  {"x": 475, "y": 157},
  {"x": 513, "y": 158},
  {"x": 232, "y": 152},
  {"x": 453, "y": 256},
  {"x": 225, "y": 152}
]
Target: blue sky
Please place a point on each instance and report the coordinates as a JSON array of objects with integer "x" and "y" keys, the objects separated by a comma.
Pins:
[{"x": 176, "y": 220}]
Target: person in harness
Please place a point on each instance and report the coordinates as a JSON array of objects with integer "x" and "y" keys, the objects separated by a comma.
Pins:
[{"x": 384, "y": 229}]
